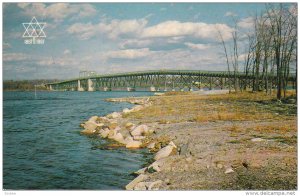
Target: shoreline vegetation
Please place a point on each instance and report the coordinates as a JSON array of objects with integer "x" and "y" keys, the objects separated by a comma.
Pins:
[{"x": 211, "y": 140}]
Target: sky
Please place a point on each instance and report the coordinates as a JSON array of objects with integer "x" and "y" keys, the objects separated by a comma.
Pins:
[{"x": 119, "y": 37}]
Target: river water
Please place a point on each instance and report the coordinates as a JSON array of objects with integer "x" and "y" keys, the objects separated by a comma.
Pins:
[{"x": 43, "y": 148}]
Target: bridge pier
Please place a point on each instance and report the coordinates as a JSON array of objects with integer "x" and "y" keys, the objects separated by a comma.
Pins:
[
  {"x": 130, "y": 89},
  {"x": 90, "y": 85},
  {"x": 79, "y": 88},
  {"x": 152, "y": 88},
  {"x": 107, "y": 89},
  {"x": 50, "y": 87}
]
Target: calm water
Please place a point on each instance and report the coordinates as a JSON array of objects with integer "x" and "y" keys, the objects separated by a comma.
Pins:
[{"x": 42, "y": 147}]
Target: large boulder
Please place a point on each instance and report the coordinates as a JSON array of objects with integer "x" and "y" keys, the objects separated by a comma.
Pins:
[
  {"x": 128, "y": 139},
  {"x": 111, "y": 134},
  {"x": 129, "y": 125},
  {"x": 155, "y": 185},
  {"x": 93, "y": 119},
  {"x": 118, "y": 137},
  {"x": 134, "y": 144},
  {"x": 139, "y": 130},
  {"x": 134, "y": 182},
  {"x": 165, "y": 152},
  {"x": 90, "y": 125},
  {"x": 88, "y": 132},
  {"x": 104, "y": 132},
  {"x": 114, "y": 115}
]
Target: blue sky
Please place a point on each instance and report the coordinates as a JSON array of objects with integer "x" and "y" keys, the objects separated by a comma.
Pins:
[{"x": 119, "y": 37}]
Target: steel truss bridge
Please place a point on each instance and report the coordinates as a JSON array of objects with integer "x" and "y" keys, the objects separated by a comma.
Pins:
[{"x": 165, "y": 80}]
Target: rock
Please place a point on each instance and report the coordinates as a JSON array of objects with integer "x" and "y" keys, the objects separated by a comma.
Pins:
[
  {"x": 104, "y": 133},
  {"x": 257, "y": 140},
  {"x": 155, "y": 185},
  {"x": 118, "y": 128},
  {"x": 219, "y": 165},
  {"x": 102, "y": 120},
  {"x": 126, "y": 111},
  {"x": 89, "y": 125},
  {"x": 229, "y": 170},
  {"x": 139, "y": 130},
  {"x": 154, "y": 167},
  {"x": 118, "y": 137},
  {"x": 135, "y": 181},
  {"x": 184, "y": 150},
  {"x": 151, "y": 145},
  {"x": 141, "y": 186},
  {"x": 114, "y": 115},
  {"x": 88, "y": 132},
  {"x": 128, "y": 139},
  {"x": 133, "y": 144},
  {"x": 93, "y": 119},
  {"x": 165, "y": 152},
  {"x": 140, "y": 171},
  {"x": 112, "y": 125},
  {"x": 129, "y": 125},
  {"x": 138, "y": 137},
  {"x": 111, "y": 134}
]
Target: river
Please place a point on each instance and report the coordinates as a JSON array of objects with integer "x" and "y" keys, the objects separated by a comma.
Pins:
[{"x": 43, "y": 148}]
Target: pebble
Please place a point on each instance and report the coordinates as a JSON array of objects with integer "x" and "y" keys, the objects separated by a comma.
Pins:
[
  {"x": 229, "y": 170},
  {"x": 257, "y": 140}
]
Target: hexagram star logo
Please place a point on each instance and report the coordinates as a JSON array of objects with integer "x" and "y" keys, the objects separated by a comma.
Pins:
[{"x": 34, "y": 28}]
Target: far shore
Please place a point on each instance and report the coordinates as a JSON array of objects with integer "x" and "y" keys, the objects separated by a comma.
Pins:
[{"x": 207, "y": 140}]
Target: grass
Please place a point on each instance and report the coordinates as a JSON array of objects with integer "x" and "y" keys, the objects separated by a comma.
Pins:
[{"x": 186, "y": 106}]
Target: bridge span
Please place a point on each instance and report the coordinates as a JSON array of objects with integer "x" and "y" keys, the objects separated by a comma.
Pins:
[{"x": 165, "y": 80}]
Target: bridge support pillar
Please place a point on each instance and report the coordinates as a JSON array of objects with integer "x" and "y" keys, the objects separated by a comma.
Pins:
[
  {"x": 50, "y": 88},
  {"x": 107, "y": 89},
  {"x": 152, "y": 88},
  {"x": 79, "y": 88},
  {"x": 130, "y": 89},
  {"x": 90, "y": 85}
]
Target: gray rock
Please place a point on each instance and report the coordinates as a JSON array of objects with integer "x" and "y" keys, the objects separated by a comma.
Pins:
[
  {"x": 151, "y": 145},
  {"x": 134, "y": 144},
  {"x": 135, "y": 181},
  {"x": 257, "y": 140},
  {"x": 229, "y": 170},
  {"x": 139, "y": 130},
  {"x": 155, "y": 185},
  {"x": 184, "y": 150},
  {"x": 165, "y": 152},
  {"x": 141, "y": 186}
]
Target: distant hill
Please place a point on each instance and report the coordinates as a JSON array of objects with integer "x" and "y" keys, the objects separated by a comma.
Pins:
[{"x": 25, "y": 85}]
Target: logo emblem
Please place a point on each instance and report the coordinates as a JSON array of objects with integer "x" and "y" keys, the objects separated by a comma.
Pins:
[{"x": 34, "y": 32}]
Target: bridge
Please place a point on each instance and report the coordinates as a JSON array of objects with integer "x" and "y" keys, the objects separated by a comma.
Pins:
[{"x": 165, "y": 80}]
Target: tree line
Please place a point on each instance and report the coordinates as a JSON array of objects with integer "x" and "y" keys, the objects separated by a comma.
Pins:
[
  {"x": 25, "y": 85},
  {"x": 270, "y": 49}
]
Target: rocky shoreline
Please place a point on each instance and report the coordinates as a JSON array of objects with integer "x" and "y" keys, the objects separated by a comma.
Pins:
[
  {"x": 126, "y": 134},
  {"x": 217, "y": 154}
]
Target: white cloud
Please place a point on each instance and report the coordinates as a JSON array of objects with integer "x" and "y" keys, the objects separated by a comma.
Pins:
[
  {"x": 114, "y": 29},
  {"x": 246, "y": 23},
  {"x": 128, "y": 54},
  {"x": 15, "y": 57},
  {"x": 230, "y": 14},
  {"x": 135, "y": 43},
  {"x": 57, "y": 11},
  {"x": 197, "y": 46},
  {"x": 197, "y": 30}
]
